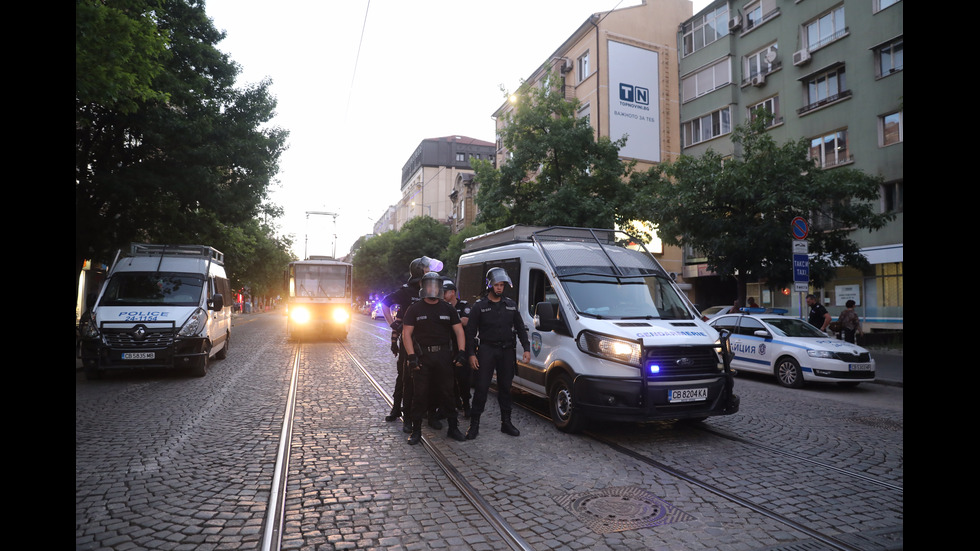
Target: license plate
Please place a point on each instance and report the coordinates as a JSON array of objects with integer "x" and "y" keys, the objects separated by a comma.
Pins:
[
  {"x": 138, "y": 355},
  {"x": 687, "y": 395},
  {"x": 859, "y": 367}
]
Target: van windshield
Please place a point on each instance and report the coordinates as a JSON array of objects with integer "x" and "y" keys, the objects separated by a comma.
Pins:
[
  {"x": 608, "y": 297},
  {"x": 153, "y": 289}
]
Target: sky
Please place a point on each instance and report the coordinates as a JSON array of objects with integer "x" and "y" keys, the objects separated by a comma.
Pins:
[{"x": 360, "y": 83}]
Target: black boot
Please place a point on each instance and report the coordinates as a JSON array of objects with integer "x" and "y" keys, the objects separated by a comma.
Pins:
[
  {"x": 406, "y": 425},
  {"x": 474, "y": 427},
  {"x": 396, "y": 412},
  {"x": 506, "y": 426},
  {"x": 416, "y": 435},
  {"x": 453, "y": 431},
  {"x": 434, "y": 420}
]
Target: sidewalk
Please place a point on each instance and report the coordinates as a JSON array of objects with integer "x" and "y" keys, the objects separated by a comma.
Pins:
[{"x": 889, "y": 364}]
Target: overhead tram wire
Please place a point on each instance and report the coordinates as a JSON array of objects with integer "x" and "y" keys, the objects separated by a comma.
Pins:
[{"x": 357, "y": 58}]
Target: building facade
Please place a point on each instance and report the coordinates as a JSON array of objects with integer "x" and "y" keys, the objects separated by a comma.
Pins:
[
  {"x": 431, "y": 176},
  {"x": 830, "y": 71},
  {"x": 621, "y": 66}
]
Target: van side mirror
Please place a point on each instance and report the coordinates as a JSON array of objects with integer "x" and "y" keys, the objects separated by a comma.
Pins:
[
  {"x": 544, "y": 317},
  {"x": 217, "y": 302}
]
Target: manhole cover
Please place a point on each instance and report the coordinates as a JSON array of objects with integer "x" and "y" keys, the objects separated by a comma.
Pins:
[{"x": 620, "y": 509}]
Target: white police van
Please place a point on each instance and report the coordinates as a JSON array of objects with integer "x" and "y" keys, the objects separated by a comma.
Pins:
[
  {"x": 161, "y": 306},
  {"x": 612, "y": 336}
]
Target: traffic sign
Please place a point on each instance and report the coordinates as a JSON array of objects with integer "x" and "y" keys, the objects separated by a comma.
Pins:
[{"x": 800, "y": 228}]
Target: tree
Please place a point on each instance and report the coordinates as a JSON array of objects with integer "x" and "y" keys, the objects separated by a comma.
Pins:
[
  {"x": 167, "y": 150},
  {"x": 737, "y": 211},
  {"x": 559, "y": 174},
  {"x": 381, "y": 263}
]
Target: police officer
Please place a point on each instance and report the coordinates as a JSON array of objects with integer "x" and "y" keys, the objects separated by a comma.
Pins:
[
  {"x": 404, "y": 297},
  {"x": 461, "y": 372},
  {"x": 495, "y": 319},
  {"x": 431, "y": 332}
]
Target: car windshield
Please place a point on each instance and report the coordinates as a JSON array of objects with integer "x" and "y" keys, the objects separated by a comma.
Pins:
[
  {"x": 791, "y": 327},
  {"x": 713, "y": 310},
  {"x": 649, "y": 297},
  {"x": 153, "y": 289}
]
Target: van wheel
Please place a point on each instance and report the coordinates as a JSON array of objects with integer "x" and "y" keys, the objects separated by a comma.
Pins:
[
  {"x": 788, "y": 373},
  {"x": 223, "y": 353},
  {"x": 563, "y": 413},
  {"x": 201, "y": 369}
]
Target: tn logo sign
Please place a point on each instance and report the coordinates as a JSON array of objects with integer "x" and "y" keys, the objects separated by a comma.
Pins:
[{"x": 634, "y": 94}]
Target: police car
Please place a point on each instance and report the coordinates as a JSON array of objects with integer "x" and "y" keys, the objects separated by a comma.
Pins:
[{"x": 766, "y": 341}]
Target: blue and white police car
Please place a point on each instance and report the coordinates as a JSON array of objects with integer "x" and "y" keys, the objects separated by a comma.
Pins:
[{"x": 766, "y": 341}]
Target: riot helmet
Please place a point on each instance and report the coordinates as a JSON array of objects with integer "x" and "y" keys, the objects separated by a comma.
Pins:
[
  {"x": 497, "y": 275},
  {"x": 418, "y": 267},
  {"x": 431, "y": 286}
]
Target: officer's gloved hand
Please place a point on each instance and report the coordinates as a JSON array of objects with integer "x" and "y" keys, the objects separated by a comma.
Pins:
[
  {"x": 462, "y": 357},
  {"x": 413, "y": 364},
  {"x": 396, "y": 326},
  {"x": 394, "y": 347}
]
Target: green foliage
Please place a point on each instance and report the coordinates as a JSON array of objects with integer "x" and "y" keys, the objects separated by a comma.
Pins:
[
  {"x": 737, "y": 212},
  {"x": 381, "y": 264},
  {"x": 167, "y": 149},
  {"x": 558, "y": 174}
]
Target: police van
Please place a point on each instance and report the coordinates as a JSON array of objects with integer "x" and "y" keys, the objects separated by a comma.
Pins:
[
  {"x": 612, "y": 336},
  {"x": 161, "y": 306}
]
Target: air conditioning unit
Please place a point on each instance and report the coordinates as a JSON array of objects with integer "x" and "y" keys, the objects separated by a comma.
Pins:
[
  {"x": 758, "y": 80},
  {"x": 735, "y": 23},
  {"x": 566, "y": 66},
  {"x": 801, "y": 57}
]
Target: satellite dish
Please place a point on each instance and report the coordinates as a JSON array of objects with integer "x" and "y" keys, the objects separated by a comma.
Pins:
[{"x": 771, "y": 55}]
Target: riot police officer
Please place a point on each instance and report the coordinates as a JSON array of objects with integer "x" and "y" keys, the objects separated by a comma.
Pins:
[
  {"x": 431, "y": 332},
  {"x": 462, "y": 372},
  {"x": 497, "y": 322},
  {"x": 404, "y": 297}
]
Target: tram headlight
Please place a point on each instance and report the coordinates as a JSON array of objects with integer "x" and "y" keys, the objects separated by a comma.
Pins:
[
  {"x": 299, "y": 314},
  {"x": 340, "y": 315}
]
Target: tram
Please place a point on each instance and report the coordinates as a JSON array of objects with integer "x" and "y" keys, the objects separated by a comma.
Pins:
[{"x": 319, "y": 297}]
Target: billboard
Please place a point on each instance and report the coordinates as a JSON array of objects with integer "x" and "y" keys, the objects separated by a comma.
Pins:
[{"x": 634, "y": 100}]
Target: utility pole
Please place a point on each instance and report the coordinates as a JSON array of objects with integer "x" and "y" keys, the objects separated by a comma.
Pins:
[{"x": 307, "y": 237}]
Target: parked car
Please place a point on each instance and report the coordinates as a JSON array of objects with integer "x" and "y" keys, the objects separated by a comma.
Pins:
[
  {"x": 715, "y": 311},
  {"x": 766, "y": 341},
  {"x": 377, "y": 313}
]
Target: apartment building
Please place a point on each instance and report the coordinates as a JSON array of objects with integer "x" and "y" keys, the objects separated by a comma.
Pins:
[
  {"x": 831, "y": 71},
  {"x": 621, "y": 66},
  {"x": 434, "y": 170}
]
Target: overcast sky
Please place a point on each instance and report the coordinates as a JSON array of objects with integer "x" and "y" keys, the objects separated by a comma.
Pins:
[{"x": 360, "y": 83}]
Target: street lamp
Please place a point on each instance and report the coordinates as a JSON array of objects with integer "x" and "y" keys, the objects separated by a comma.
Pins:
[{"x": 307, "y": 238}]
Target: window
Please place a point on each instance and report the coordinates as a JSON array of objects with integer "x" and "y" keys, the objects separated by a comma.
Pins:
[
  {"x": 583, "y": 67},
  {"x": 825, "y": 88},
  {"x": 706, "y": 80},
  {"x": 890, "y": 58},
  {"x": 757, "y": 12},
  {"x": 825, "y": 29},
  {"x": 708, "y": 126},
  {"x": 890, "y": 127},
  {"x": 830, "y": 150},
  {"x": 460, "y": 157},
  {"x": 770, "y": 105},
  {"x": 705, "y": 29},
  {"x": 882, "y": 4},
  {"x": 585, "y": 113},
  {"x": 761, "y": 62},
  {"x": 893, "y": 197},
  {"x": 891, "y": 289}
]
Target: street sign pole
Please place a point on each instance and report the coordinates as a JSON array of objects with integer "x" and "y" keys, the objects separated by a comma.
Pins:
[{"x": 801, "y": 257}]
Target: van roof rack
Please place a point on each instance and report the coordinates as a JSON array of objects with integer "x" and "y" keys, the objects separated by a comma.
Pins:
[
  {"x": 199, "y": 251},
  {"x": 518, "y": 233}
]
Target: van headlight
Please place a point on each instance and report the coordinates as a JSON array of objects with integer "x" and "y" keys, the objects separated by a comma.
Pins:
[
  {"x": 194, "y": 324},
  {"x": 617, "y": 350}
]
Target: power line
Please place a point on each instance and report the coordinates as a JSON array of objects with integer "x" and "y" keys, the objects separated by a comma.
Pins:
[{"x": 357, "y": 58}]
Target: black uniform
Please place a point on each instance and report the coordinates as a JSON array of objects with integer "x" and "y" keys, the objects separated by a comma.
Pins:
[
  {"x": 498, "y": 325},
  {"x": 817, "y": 315},
  {"x": 434, "y": 346},
  {"x": 405, "y": 296},
  {"x": 462, "y": 372}
]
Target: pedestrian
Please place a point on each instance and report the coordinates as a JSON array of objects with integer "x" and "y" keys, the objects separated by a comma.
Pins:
[
  {"x": 819, "y": 316},
  {"x": 399, "y": 301},
  {"x": 850, "y": 322},
  {"x": 431, "y": 332},
  {"x": 495, "y": 320},
  {"x": 753, "y": 303},
  {"x": 462, "y": 372}
]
